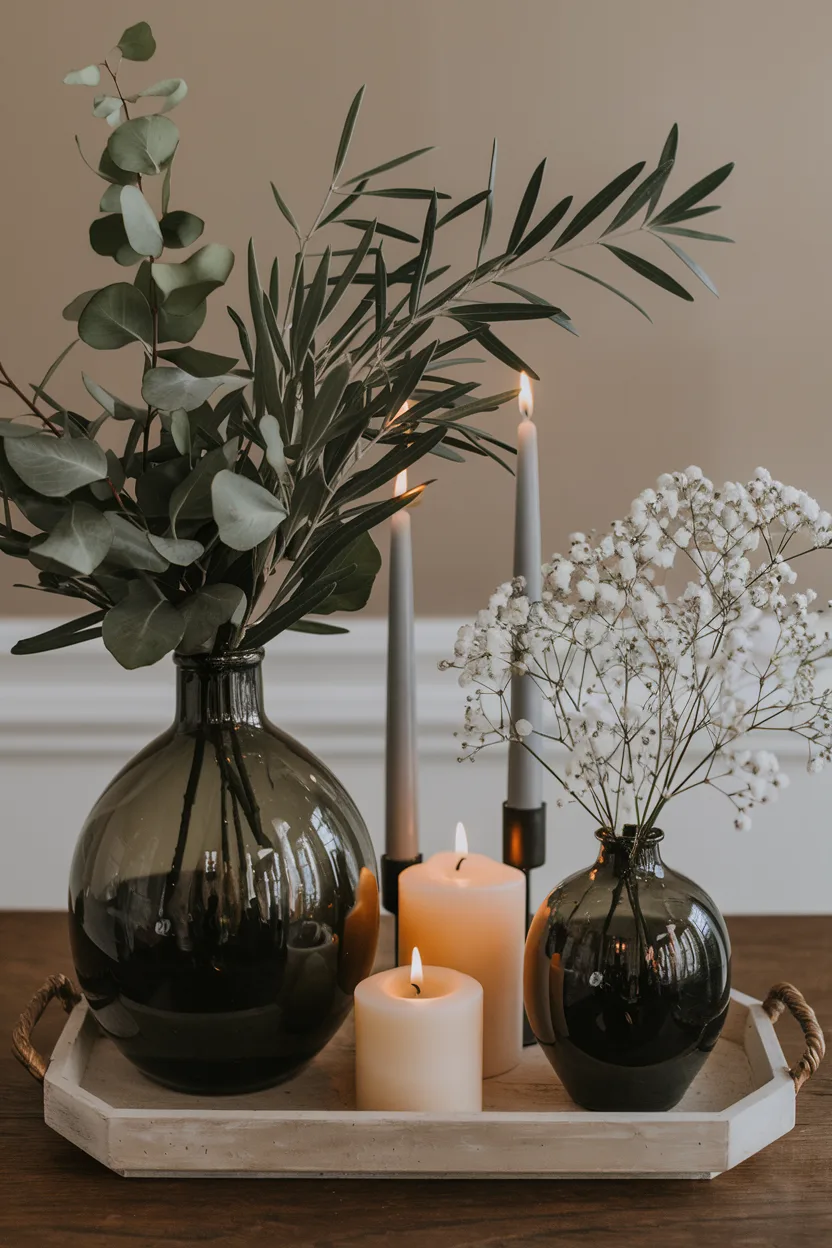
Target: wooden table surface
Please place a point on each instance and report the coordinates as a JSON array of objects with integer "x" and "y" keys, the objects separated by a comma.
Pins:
[{"x": 54, "y": 1196}]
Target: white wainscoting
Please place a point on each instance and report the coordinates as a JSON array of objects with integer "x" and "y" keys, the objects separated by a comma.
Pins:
[{"x": 69, "y": 719}]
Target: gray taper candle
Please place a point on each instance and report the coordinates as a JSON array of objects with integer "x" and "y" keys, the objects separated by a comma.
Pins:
[{"x": 401, "y": 826}]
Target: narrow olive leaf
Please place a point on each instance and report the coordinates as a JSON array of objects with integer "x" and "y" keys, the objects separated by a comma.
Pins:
[
  {"x": 459, "y": 210},
  {"x": 388, "y": 164},
  {"x": 302, "y": 603},
  {"x": 55, "y": 365},
  {"x": 137, "y": 43},
  {"x": 502, "y": 352},
  {"x": 56, "y": 466},
  {"x": 352, "y": 266},
  {"x": 242, "y": 332},
  {"x": 73, "y": 310},
  {"x": 131, "y": 546},
  {"x": 165, "y": 197},
  {"x": 274, "y": 452},
  {"x": 169, "y": 387},
  {"x": 527, "y": 205},
  {"x": 206, "y": 611},
  {"x": 178, "y": 550},
  {"x": 694, "y": 193},
  {"x": 613, "y": 289},
  {"x": 68, "y": 634},
  {"x": 346, "y": 203},
  {"x": 407, "y": 192},
  {"x": 690, "y": 213},
  {"x": 180, "y": 229},
  {"x": 346, "y": 133},
  {"x": 114, "y": 317},
  {"x": 408, "y": 377},
  {"x": 683, "y": 233},
  {"x": 311, "y": 626},
  {"x": 595, "y": 206},
  {"x": 303, "y": 330},
  {"x": 265, "y": 367},
  {"x": 320, "y": 415},
  {"x": 380, "y": 291},
  {"x": 640, "y": 196},
  {"x": 89, "y": 76},
  {"x": 389, "y": 231},
  {"x": 695, "y": 268},
  {"x": 285, "y": 209},
  {"x": 140, "y": 224},
  {"x": 489, "y": 403},
  {"x": 80, "y": 540},
  {"x": 488, "y": 211},
  {"x": 363, "y": 483},
  {"x": 328, "y": 551},
  {"x": 545, "y": 226},
  {"x": 274, "y": 285},
  {"x": 423, "y": 259},
  {"x": 143, "y": 627},
  {"x": 646, "y": 269},
  {"x": 275, "y": 335},
  {"x": 491, "y": 312},
  {"x": 143, "y": 144},
  {"x": 184, "y": 286},
  {"x": 244, "y": 512},
  {"x": 668, "y": 156}
]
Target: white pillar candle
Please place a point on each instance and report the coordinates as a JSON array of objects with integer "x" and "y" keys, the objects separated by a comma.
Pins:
[
  {"x": 525, "y": 777},
  {"x": 418, "y": 1040},
  {"x": 468, "y": 912},
  {"x": 401, "y": 826}
]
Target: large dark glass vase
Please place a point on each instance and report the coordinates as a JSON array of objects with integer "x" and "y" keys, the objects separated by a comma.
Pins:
[
  {"x": 223, "y": 897},
  {"x": 627, "y": 978}
]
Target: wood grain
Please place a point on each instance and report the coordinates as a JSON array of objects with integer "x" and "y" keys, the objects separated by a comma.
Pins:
[{"x": 53, "y": 1196}]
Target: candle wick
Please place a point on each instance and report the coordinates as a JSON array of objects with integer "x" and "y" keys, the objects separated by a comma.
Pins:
[
  {"x": 418, "y": 989},
  {"x": 459, "y": 864}
]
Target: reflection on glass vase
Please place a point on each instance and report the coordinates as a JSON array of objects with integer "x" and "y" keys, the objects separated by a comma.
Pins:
[
  {"x": 627, "y": 978},
  {"x": 223, "y": 896}
]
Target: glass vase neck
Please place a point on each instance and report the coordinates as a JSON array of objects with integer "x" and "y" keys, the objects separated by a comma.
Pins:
[
  {"x": 219, "y": 689},
  {"x": 630, "y": 849}
]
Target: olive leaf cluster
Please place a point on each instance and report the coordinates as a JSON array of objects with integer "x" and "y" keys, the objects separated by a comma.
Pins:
[{"x": 243, "y": 496}]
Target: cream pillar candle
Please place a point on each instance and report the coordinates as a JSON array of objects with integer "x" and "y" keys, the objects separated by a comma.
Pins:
[
  {"x": 468, "y": 912},
  {"x": 418, "y": 1040}
]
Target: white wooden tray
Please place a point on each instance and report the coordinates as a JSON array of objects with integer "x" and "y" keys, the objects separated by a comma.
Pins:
[{"x": 742, "y": 1100}]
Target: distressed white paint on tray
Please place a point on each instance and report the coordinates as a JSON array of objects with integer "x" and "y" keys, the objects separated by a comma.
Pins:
[{"x": 742, "y": 1100}]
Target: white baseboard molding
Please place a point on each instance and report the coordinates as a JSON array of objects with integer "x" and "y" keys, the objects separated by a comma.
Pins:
[{"x": 70, "y": 718}]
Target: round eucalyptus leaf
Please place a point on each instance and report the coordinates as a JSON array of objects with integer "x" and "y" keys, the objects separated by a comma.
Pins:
[
  {"x": 181, "y": 328},
  {"x": 80, "y": 540},
  {"x": 275, "y": 457},
  {"x": 172, "y": 90},
  {"x": 89, "y": 76},
  {"x": 110, "y": 171},
  {"x": 140, "y": 224},
  {"x": 108, "y": 237},
  {"x": 178, "y": 550},
  {"x": 143, "y": 627},
  {"x": 137, "y": 43},
  {"x": 191, "y": 499},
  {"x": 199, "y": 363},
  {"x": 111, "y": 403},
  {"x": 55, "y": 466},
  {"x": 180, "y": 229},
  {"x": 206, "y": 611},
  {"x": 111, "y": 199},
  {"x": 74, "y": 309},
  {"x": 168, "y": 388},
  {"x": 245, "y": 513},
  {"x": 115, "y": 316},
  {"x": 180, "y": 431},
  {"x": 131, "y": 546},
  {"x": 9, "y": 429},
  {"x": 143, "y": 144},
  {"x": 184, "y": 286},
  {"x": 109, "y": 107}
]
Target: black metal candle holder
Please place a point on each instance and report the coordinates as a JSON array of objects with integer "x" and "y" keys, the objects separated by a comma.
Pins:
[
  {"x": 524, "y": 847},
  {"x": 391, "y": 869}
]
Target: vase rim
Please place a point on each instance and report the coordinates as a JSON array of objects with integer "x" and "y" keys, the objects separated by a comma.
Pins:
[
  {"x": 628, "y": 833},
  {"x": 230, "y": 661}
]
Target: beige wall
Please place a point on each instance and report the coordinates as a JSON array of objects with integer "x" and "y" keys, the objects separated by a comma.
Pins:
[{"x": 728, "y": 384}]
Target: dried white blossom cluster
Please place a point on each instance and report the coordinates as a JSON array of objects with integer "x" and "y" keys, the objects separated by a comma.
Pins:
[{"x": 635, "y": 673}]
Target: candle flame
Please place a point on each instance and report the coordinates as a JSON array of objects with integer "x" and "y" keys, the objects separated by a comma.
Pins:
[
  {"x": 526, "y": 398},
  {"x": 416, "y": 975},
  {"x": 461, "y": 839},
  {"x": 400, "y": 486}
]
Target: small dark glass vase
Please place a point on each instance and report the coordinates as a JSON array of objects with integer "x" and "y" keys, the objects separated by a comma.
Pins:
[
  {"x": 627, "y": 978},
  {"x": 223, "y": 897}
]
